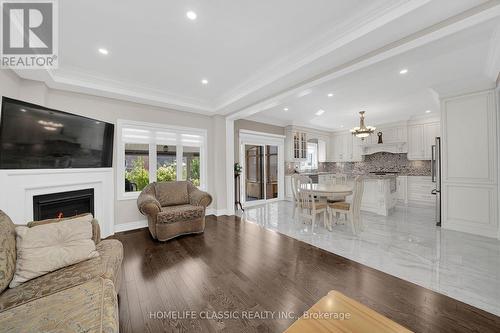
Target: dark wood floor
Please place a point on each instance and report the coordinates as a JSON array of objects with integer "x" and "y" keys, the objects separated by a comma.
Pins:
[{"x": 239, "y": 266}]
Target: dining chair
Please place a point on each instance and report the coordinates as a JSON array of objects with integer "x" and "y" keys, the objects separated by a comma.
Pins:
[
  {"x": 295, "y": 194},
  {"x": 309, "y": 205},
  {"x": 350, "y": 210},
  {"x": 338, "y": 178}
]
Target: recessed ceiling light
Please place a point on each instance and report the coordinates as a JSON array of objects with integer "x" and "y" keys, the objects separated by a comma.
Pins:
[
  {"x": 204, "y": 81},
  {"x": 403, "y": 71},
  {"x": 22, "y": 110},
  {"x": 320, "y": 112},
  {"x": 285, "y": 109},
  {"x": 103, "y": 51},
  {"x": 191, "y": 15},
  {"x": 428, "y": 111},
  {"x": 330, "y": 95}
]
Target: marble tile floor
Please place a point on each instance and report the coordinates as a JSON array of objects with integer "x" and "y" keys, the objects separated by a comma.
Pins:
[{"x": 406, "y": 244}]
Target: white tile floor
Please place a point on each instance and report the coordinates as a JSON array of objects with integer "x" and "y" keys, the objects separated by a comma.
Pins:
[{"x": 406, "y": 244}]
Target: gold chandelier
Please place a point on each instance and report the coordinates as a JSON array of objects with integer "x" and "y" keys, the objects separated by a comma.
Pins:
[{"x": 362, "y": 131}]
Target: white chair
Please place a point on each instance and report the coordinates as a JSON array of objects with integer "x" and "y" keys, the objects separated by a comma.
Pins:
[
  {"x": 309, "y": 205},
  {"x": 295, "y": 193},
  {"x": 338, "y": 178},
  {"x": 350, "y": 210}
]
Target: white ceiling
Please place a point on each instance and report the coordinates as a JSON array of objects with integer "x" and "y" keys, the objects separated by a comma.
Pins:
[
  {"x": 250, "y": 51},
  {"x": 445, "y": 66}
]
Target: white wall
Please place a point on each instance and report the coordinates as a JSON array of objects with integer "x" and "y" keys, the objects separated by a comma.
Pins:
[{"x": 110, "y": 110}]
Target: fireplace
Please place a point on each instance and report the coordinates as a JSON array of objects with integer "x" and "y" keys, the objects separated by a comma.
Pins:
[{"x": 63, "y": 204}]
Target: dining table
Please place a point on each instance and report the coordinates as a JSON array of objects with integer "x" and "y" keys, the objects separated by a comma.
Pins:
[{"x": 328, "y": 190}]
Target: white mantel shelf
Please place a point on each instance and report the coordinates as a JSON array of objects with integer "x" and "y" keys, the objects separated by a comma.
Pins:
[
  {"x": 393, "y": 147},
  {"x": 19, "y": 187}
]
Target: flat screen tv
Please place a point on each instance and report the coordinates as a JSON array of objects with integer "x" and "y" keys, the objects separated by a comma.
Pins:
[{"x": 35, "y": 137}]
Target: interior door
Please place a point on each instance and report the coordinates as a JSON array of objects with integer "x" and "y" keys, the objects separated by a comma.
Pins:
[
  {"x": 254, "y": 173},
  {"x": 271, "y": 162}
]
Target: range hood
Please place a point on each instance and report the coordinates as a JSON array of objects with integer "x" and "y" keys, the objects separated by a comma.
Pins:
[{"x": 392, "y": 147}]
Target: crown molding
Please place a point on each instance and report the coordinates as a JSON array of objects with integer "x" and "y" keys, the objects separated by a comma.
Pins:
[
  {"x": 492, "y": 67},
  {"x": 464, "y": 20},
  {"x": 86, "y": 83},
  {"x": 320, "y": 47}
]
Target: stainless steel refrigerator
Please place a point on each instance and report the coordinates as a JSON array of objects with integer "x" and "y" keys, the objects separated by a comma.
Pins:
[{"x": 436, "y": 177}]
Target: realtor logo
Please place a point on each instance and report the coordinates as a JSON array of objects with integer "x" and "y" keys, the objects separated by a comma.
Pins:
[{"x": 29, "y": 34}]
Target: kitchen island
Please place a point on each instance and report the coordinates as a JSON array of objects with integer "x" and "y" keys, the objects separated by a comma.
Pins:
[{"x": 380, "y": 194}]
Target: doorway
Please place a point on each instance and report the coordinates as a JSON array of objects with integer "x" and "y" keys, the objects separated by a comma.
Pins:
[{"x": 263, "y": 168}]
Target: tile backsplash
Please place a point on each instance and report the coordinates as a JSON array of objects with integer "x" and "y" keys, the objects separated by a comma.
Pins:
[{"x": 373, "y": 163}]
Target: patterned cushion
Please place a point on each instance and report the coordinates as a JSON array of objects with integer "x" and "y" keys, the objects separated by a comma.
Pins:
[
  {"x": 88, "y": 307},
  {"x": 172, "y": 193},
  {"x": 107, "y": 265},
  {"x": 7, "y": 250},
  {"x": 340, "y": 205},
  {"x": 179, "y": 213}
]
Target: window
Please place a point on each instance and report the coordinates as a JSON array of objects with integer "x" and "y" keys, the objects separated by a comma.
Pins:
[{"x": 149, "y": 153}]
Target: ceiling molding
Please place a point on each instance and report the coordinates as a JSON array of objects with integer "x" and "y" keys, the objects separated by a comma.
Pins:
[
  {"x": 469, "y": 18},
  {"x": 492, "y": 67},
  {"x": 85, "y": 83},
  {"x": 331, "y": 41}
]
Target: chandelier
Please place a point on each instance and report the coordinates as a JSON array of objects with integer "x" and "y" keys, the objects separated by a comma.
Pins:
[{"x": 362, "y": 131}]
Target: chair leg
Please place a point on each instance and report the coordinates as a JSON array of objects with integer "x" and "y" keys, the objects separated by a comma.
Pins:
[
  {"x": 352, "y": 223},
  {"x": 313, "y": 220}
]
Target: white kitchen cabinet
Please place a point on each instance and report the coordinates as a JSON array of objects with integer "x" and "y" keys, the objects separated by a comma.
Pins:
[
  {"x": 416, "y": 142},
  {"x": 346, "y": 147},
  {"x": 421, "y": 137},
  {"x": 401, "y": 189},
  {"x": 322, "y": 150},
  {"x": 296, "y": 145},
  {"x": 431, "y": 131},
  {"x": 419, "y": 190}
]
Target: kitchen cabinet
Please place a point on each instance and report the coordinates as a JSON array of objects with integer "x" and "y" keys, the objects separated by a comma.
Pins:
[
  {"x": 421, "y": 137},
  {"x": 296, "y": 145},
  {"x": 346, "y": 147},
  {"x": 401, "y": 189},
  {"x": 321, "y": 150},
  {"x": 419, "y": 190}
]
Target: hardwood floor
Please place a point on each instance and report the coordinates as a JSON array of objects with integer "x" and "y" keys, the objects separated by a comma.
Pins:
[{"x": 239, "y": 266}]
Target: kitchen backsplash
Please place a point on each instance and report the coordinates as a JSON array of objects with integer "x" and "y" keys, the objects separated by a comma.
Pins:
[{"x": 373, "y": 163}]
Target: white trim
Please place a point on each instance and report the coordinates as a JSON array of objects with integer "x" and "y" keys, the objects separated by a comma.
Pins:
[
  {"x": 230, "y": 167},
  {"x": 492, "y": 65},
  {"x": 245, "y": 131},
  {"x": 131, "y": 226},
  {"x": 262, "y": 139},
  {"x": 446, "y": 28},
  {"x": 179, "y": 130},
  {"x": 218, "y": 212}
]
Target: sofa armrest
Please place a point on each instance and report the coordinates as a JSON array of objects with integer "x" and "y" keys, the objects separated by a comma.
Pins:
[
  {"x": 148, "y": 205},
  {"x": 199, "y": 198}
]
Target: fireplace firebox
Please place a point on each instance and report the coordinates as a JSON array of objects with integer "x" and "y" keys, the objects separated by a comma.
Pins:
[{"x": 63, "y": 204}]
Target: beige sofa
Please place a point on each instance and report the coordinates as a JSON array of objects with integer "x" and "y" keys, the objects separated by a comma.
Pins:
[
  {"x": 77, "y": 298},
  {"x": 173, "y": 208}
]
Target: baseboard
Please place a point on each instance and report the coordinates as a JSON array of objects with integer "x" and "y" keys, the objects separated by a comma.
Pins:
[
  {"x": 131, "y": 226},
  {"x": 218, "y": 212}
]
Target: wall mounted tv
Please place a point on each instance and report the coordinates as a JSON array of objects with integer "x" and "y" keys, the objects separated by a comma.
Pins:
[{"x": 35, "y": 137}]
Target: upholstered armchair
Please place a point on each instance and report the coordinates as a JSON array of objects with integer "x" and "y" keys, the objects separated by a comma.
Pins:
[{"x": 173, "y": 208}]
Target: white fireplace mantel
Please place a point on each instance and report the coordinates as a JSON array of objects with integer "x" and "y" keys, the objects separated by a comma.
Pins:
[{"x": 19, "y": 186}]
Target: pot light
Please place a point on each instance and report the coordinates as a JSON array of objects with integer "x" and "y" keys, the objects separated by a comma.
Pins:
[
  {"x": 191, "y": 15},
  {"x": 22, "y": 110},
  {"x": 403, "y": 71},
  {"x": 204, "y": 81},
  {"x": 428, "y": 111},
  {"x": 330, "y": 95},
  {"x": 103, "y": 51},
  {"x": 285, "y": 109},
  {"x": 319, "y": 112}
]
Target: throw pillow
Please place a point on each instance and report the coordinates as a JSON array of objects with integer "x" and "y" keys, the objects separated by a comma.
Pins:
[{"x": 45, "y": 248}]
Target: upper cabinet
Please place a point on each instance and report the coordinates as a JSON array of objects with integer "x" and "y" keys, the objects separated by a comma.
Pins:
[
  {"x": 345, "y": 147},
  {"x": 421, "y": 137},
  {"x": 296, "y": 143}
]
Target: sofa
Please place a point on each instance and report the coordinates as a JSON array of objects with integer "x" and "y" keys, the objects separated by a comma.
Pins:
[
  {"x": 77, "y": 298},
  {"x": 173, "y": 208}
]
